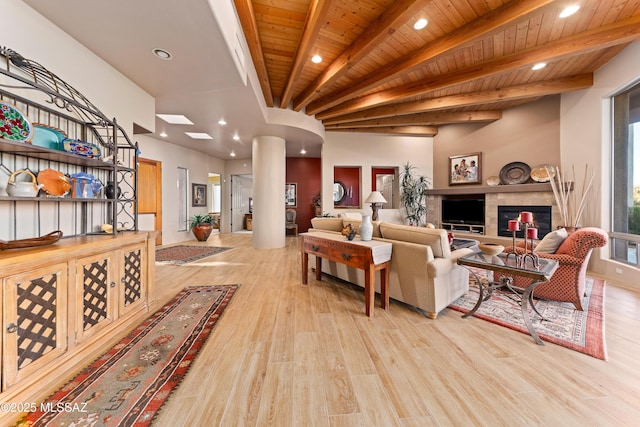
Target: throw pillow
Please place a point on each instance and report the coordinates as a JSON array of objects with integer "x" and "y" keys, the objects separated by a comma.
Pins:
[{"x": 551, "y": 242}]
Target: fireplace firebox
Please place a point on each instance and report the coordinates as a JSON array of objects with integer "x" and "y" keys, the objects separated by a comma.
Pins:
[{"x": 541, "y": 219}]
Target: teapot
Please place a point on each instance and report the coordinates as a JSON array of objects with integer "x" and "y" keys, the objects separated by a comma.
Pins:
[{"x": 23, "y": 188}]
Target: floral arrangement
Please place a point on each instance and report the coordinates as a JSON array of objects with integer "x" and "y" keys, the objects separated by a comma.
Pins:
[{"x": 349, "y": 231}]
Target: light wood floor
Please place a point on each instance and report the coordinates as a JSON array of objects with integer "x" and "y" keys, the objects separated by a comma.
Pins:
[{"x": 287, "y": 354}]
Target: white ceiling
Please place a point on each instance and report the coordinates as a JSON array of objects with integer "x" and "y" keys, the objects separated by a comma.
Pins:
[{"x": 201, "y": 81}]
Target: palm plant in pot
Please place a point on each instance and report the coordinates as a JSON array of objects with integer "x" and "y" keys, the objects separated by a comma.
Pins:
[
  {"x": 413, "y": 194},
  {"x": 201, "y": 226}
]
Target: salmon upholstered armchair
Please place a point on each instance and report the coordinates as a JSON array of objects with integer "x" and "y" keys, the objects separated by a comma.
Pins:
[{"x": 568, "y": 282}]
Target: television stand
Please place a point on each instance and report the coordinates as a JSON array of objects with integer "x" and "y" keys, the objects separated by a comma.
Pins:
[{"x": 469, "y": 228}]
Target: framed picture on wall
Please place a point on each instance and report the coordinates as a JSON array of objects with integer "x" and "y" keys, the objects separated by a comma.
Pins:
[
  {"x": 290, "y": 195},
  {"x": 198, "y": 195},
  {"x": 465, "y": 169}
]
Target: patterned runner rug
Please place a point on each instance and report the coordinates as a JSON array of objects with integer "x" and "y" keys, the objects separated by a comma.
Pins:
[
  {"x": 128, "y": 384},
  {"x": 182, "y": 254},
  {"x": 582, "y": 331}
]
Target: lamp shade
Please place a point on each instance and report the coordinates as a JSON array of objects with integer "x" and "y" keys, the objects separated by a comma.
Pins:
[{"x": 375, "y": 197}]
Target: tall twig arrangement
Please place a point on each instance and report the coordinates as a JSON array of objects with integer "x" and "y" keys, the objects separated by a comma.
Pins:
[{"x": 571, "y": 204}]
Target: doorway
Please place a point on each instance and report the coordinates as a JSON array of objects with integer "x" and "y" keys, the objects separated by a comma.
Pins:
[
  {"x": 150, "y": 196},
  {"x": 241, "y": 196},
  {"x": 385, "y": 180}
]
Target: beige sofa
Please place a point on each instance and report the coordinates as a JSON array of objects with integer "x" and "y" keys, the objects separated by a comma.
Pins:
[{"x": 424, "y": 270}]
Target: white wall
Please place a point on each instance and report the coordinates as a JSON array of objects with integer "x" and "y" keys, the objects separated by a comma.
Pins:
[
  {"x": 368, "y": 151},
  {"x": 35, "y": 38},
  {"x": 173, "y": 156},
  {"x": 585, "y": 139}
]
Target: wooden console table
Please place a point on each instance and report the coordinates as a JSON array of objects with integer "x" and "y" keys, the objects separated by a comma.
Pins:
[{"x": 371, "y": 256}]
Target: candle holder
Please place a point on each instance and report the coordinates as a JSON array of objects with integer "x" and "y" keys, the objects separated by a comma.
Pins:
[
  {"x": 514, "y": 227},
  {"x": 535, "y": 260}
]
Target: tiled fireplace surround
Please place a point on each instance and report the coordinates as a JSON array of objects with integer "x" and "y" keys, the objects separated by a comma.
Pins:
[{"x": 521, "y": 194}]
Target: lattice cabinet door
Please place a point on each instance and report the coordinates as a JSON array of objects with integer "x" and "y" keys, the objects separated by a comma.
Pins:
[
  {"x": 34, "y": 321},
  {"x": 133, "y": 278},
  {"x": 96, "y": 294}
]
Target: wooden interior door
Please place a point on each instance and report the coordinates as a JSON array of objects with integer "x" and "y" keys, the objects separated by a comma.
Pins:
[{"x": 150, "y": 192}]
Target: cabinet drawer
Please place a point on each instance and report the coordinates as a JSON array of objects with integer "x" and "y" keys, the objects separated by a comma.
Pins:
[{"x": 353, "y": 258}]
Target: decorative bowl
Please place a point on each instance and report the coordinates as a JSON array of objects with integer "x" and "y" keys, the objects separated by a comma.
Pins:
[{"x": 490, "y": 248}]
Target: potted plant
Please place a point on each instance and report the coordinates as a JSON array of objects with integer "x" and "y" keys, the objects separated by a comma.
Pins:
[
  {"x": 201, "y": 226},
  {"x": 571, "y": 204},
  {"x": 413, "y": 195}
]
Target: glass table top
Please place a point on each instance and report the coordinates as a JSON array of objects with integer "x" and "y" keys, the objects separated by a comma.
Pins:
[{"x": 507, "y": 263}]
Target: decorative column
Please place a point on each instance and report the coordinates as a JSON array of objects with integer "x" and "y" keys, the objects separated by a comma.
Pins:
[{"x": 269, "y": 168}]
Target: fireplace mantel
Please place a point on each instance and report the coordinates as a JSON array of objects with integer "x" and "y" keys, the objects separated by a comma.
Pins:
[{"x": 486, "y": 189}]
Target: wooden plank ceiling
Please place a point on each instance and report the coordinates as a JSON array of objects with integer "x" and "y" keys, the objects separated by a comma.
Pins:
[{"x": 473, "y": 59}]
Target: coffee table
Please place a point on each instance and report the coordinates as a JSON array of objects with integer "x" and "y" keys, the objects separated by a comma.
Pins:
[{"x": 501, "y": 263}]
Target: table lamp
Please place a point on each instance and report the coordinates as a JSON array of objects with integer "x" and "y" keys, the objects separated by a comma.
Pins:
[{"x": 374, "y": 198}]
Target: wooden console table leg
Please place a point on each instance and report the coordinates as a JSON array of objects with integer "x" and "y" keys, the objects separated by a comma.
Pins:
[
  {"x": 384, "y": 286},
  {"x": 318, "y": 268},
  {"x": 369, "y": 289},
  {"x": 305, "y": 267}
]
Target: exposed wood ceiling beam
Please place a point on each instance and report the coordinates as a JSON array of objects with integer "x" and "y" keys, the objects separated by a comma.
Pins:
[
  {"x": 315, "y": 20},
  {"x": 480, "y": 27},
  {"x": 250, "y": 27},
  {"x": 430, "y": 118},
  {"x": 399, "y": 13},
  {"x": 531, "y": 90},
  {"x": 599, "y": 38},
  {"x": 398, "y": 130}
]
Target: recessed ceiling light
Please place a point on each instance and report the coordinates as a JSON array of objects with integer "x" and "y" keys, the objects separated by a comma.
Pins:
[
  {"x": 316, "y": 59},
  {"x": 163, "y": 134},
  {"x": 222, "y": 122},
  {"x": 161, "y": 53},
  {"x": 175, "y": 119},
  {"x": 303, "y": 151},
  {"x": 199, "y": 135},
  {"x": 236, "y": 138},
  {"x": 569, "y": 10},
  {"x": 420, "y": 24},
  {"x": 539, "y": 66},
  {"x": 232, "y": 154}
]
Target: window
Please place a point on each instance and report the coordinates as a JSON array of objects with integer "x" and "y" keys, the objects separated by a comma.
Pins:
[
  {"x": 626, "y": 177},
  {"x": 183, "y": 194}
]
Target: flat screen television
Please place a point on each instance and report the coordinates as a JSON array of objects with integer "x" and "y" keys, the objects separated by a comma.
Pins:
[{"x": 463, "y": 211}]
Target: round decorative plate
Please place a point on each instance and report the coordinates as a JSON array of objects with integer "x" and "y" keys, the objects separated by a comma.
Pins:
[
  {"x": 515, "y": 173},
  {"x": 47, "y": 136},
  {"x": 14, "y": 125},
  {"x": 540, "y": 174},
  {"x": 493, "y": 181},
  {"x": 54, "y": 182},
  {"x": 81, "y": 148}
]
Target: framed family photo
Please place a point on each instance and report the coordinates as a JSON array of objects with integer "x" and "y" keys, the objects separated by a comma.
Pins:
[
  {"x": 198, "y": 195},
  {"x": 465, "y": 169},
  {"x": 290, "y": 195}
]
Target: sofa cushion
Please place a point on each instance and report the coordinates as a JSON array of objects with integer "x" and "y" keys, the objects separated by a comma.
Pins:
[
  {"x": 436, "y": 238},
  {"x": 326, "y": 223},
  {"x": 551, "y": 242}
]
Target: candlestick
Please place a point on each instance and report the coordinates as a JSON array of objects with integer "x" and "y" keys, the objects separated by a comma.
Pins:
[{"x": 526, "y": 217}]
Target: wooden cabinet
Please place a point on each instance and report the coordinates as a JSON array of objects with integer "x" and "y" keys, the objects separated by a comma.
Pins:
[
  {"x": 34, "y": 321},
  {"x": 66, "y": 303}
]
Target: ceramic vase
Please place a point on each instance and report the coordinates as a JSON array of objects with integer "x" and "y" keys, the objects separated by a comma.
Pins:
[{"x": 366, "y": 228}]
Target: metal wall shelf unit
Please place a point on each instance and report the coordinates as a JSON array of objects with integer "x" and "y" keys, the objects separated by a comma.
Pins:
[{"x": 47, "y": 100}]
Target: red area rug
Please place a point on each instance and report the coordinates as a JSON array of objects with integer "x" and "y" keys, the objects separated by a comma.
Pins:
[
  {"x": 182, "y": 254},
  {"x": 581, "y": 331},
  {"x": 129, "y": 383}
]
